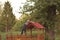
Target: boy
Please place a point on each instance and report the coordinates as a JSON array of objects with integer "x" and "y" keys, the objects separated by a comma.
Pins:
[{"x": 24, "y": 26}]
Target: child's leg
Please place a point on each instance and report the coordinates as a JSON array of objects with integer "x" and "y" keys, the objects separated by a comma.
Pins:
[
  {"x": 25, "y": 31},
  {"x": 22, "y": 31}
]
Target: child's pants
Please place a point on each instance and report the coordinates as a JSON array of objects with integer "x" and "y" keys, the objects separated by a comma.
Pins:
[{"x": 24, "y": 29}]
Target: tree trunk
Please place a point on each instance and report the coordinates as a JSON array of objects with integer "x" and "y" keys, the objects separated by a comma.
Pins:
[{"x": 51, "y": 18}]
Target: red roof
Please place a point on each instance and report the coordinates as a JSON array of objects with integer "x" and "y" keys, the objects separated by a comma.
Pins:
[{"x": 35, "y": 24}]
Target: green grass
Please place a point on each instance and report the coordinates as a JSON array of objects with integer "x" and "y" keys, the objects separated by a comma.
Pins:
[
  {"x": 58, "y": 35},
  {"x": 34, "y": 33},
  {"x": 3, "y": 34}
]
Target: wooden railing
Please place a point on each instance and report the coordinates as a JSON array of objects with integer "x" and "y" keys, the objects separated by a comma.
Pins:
[{"x": 23, "y": 37}]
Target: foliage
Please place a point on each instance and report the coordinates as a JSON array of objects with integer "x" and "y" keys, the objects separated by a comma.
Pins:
[
  {"x": 20, "y": 23},
  {"x": 8, "y": 19},
  {"x": 44, "y": 12}
]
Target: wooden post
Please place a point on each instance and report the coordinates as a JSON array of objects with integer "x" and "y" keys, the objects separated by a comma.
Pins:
[
  {"x": 7, "y": 37},
  {"x": 31, "y": 34},
  {"x": 0, "y": 37},
  {"x": 38, "y": 35},
  {"x": 17, "y": 37},
  {"x": 11, "y": 37},
  {"x": 24, "y": 37}
]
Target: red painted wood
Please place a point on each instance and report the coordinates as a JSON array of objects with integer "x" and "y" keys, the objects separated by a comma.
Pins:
[
  {"x": 24, "y": 37},
  {"x": 0, "y": 37}
]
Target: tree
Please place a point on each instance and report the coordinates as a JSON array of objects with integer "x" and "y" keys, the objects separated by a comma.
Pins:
[
  {"x": 20, "y": 23},
  {"x": 8, "y": 19},
  {"x": 1, "y": 28},
  {"x": 44, "y": 11}
]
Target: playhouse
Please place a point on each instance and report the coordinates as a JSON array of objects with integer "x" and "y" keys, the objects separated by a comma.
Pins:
[
  {"x": 25, "y": 37},
  {"x": 36, "y": 25}
]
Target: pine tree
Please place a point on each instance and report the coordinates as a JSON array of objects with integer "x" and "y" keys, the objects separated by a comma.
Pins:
[{"x": 8, "y": 19}]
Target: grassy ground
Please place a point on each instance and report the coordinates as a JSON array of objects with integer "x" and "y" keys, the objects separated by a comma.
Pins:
[
  {"x": 3, "y": 34},
  {"x": 58, "y": 35},
  {"x": 34, "y": 33}
]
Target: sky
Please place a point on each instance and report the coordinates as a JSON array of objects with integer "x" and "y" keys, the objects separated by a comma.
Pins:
[{"x": 16, "y": 4}]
